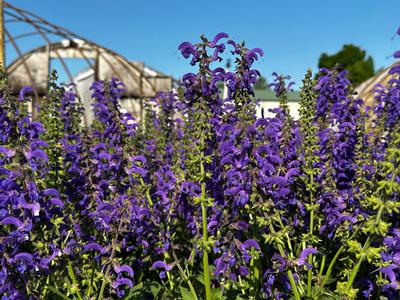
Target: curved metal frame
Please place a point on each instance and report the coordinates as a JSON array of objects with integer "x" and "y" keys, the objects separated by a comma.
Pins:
[{"x": 46, "y": 30}]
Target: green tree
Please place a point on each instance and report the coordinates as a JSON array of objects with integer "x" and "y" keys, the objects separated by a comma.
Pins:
[
  {"x": 353, "y": 59},
  {"x": 261, "y": 84}
]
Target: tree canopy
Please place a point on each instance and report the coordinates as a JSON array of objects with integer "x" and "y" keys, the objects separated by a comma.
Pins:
[
  {"x": 261, "y": 84},
  {"x": 353, "y": 59}
]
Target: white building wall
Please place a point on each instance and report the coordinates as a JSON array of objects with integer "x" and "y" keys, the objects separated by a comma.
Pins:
[{"x": 293, "y": 106}]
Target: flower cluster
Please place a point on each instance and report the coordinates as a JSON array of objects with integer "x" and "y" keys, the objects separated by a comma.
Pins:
[{"x": 202, "y": 199}]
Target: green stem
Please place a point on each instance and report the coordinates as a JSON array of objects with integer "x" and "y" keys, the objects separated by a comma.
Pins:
[
  {"x": 322, "y": 266},
  {"x": 89, "y": 292},
  {"x": 286, "y": 234},
  {"x": 148, "y": 196},
  {"x": 108, "y": 269},
  {"x": 74, "y": 282},
  {"x": 46, "y": 287},
  {"x": 57, "y": 292},
  {"x": 255, "y": 267},
  {"x": 289, "y": 272},
  {"x": 363, "y": 252},
  {"x": 207, "y": 281},
  {"x": 331, "y": 265},
  {"x": 330, "y": 268},
  {"x": 309, "y": 272},
  {"x": 186, "y": 278},
  {"x": 293, "y": 284}
]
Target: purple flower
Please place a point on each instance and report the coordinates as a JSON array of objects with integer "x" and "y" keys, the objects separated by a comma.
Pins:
[
  {"x": 249, "y": 244},
  {"x": 187, "y": 49},
  {"x": 121, "y": 281},
  {"x": 304, "y": 254},
  {"x": 51, "y": 192},
  {"x": 34, "y": 207},
  {"x": 389, "y": 272},
  {"x": 25, "y": 90},
  {"x": 124, "y": 268},
  {"x": 23, "y": 260},
  {"x": 93, "y": 246},
  {"x": 161, "y": 265},
  {"x": 243, "y": 271},
  {"x": 216, "y": 39},
  {"x": 12, "y": 221}
]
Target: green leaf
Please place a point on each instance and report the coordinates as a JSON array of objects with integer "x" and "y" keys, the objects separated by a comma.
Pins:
[
  {"x": 185, "y": 293},
  {"x": 218, "y": 294}
]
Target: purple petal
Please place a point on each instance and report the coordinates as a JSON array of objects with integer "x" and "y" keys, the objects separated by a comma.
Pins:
[
  {"x": 25, "y": 257},
  {"x": 24, "y": 91},
  {"x": 11, "y": 221},
  {"x": 305, "y": 253},
  {"x": 250, "y": 243},
  {"x": 57, "y": 202},
  {"x": 388, "y": 271},
  {"x": 211, "y": 225},
  {"x": 51, "y": 192},
  {"x": 7, "y": 152},
  {"x": 219, "y": 36},
  {"x": 161, "y": 265},
  {"x": 35, "y": 207},
  {"x": 93, "y": 246},
  {"x": 124, "y": 268},
  {"x": 243, "y": 271}
]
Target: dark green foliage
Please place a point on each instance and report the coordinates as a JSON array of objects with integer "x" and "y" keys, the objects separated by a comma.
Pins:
[
  {"x": 353, "y": 59},
  {"x": 261, "y": 84}
]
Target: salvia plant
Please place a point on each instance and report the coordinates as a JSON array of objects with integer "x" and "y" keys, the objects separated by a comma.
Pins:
[{"x": 202, "y": 199}]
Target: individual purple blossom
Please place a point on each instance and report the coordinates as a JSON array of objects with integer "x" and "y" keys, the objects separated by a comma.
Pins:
[
  {"x": 12, "y": 221},
  {"x": 124, "y": 268},
  {"x": 304, "y": 255},
  {"x": 25, "y": 90},
  {"x": 389, "y": 272},
  {"x": 161, "y": 265}
]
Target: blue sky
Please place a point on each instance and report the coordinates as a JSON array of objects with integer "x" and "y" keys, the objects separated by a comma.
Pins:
[{"x": 293, "y": 34}]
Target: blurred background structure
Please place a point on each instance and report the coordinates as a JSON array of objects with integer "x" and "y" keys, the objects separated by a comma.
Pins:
[
  {"x": 77, "y": 59},
  {"x": 366, "y": 89},
  {"x": 32, "y": 47}
]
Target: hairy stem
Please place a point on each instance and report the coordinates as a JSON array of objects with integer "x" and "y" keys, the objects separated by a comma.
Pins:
[
  {"x": 363, "y": 252},
  {"x": 289, "y": 272},
  {"x": 108, "y": 269}
]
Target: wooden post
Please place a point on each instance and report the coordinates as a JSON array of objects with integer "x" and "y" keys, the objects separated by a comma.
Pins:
[{"x": 2, "y": 49}]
